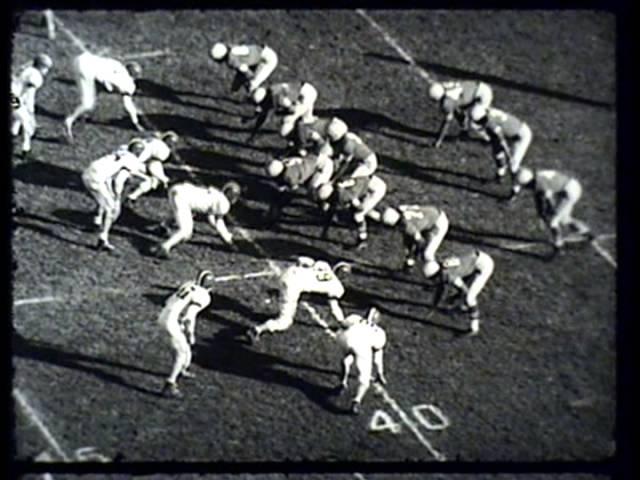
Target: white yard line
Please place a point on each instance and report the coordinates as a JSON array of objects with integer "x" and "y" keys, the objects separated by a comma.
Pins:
[
  {"x": 381, "y": 390},
  {"x": 392, "y": 42},
  {"x": 30, "y": 301},
  {"x": 604, "y": 253},
  {"x": 151, "y": 54},
  {"x": 35, "y": 419}
]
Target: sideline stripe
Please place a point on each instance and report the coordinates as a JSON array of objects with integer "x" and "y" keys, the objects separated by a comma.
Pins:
[
  {"x": 35, "y": 419},
  {"x": 29, "y": 301},
  {"x": 377, "y": 387},
  {"x": 391, "y": 41}
]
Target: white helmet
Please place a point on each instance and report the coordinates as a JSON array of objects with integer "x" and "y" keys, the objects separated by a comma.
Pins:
[
  {"x": 478, "y": 112},
  {"x": 258, "y": 95},
  {"x": 430, "y": 268},
  {"x": 390, "y": 217},
  {"x": 524, "y": 176},
  {"x": 219, "y": 51},
  {"x": 305, "y": 262},
  {"x": 205, "y": 279},
  {"x": 436, "y": 91},
  {"x": 42, "y": 60},
  {"x": 170, "y": 137},
  {"x": 451, "y": 262},
  {"x": 134, "y": 69},
  {"x": 325, "y": 191},
  {"x": 336, "y": 129},
  {"x": 275, "y": 168}
]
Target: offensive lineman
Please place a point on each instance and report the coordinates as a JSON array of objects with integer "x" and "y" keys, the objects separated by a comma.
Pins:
[
  {"x": 291, "y": 101},
  {"x": 355, "y": 158},
  {"x": 310, "y": 171},
  {"x": 99, "y": 177},
  {"x": 456, "y": 98},
  {"x": 305, "y": 276},
  {"x": 416, "y": 223},
  {"x": 113, "y": 75},
  {"x": 253, "y": 64},
  {"x": 23, "y": 99},
  {"x": 510, "y": 140},
  {"x": 469, "y": 274},
  {"x": 178, "y": 319},
  {"x": 186, "y": 199},
  {"x": 312, "y": 136},
  {"x": 555, "y": 195},
  {"x": 357, "y": 195},
  {"x": 363, "y": 341}
]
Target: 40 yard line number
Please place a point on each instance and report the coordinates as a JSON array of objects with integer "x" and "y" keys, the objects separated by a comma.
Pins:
[{"x": 427, "y": 415}]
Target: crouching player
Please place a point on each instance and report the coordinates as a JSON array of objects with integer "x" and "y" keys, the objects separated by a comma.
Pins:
[
  {"x": 305, "y": 276},
  {"x": 358, "y": 196},
  {"x": 469, "y": 274},
  {"x": 186, "y": 199},
  {"x": 423, "y": 228},
  {"x": 363, "y": 341},
  {"x": 178, "y": 319},
  {"x": 556, "y": 194},
  {"x": 253, "y": 64},
  {"x": 310, "y": 171}
]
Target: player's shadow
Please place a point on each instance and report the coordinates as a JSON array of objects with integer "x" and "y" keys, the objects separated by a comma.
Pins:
[
  {"x": 26, "y": 220},
  {"x": 423, "y": 173},
  {"x": 100, "y": 368},
  {"x": 40, "y": 110},
  {"x": 484, "y": 238},
  {"x": 226, "y": 354},
  {"x": 357, "y": 118},
  {"x": 462, "y": 74},
  {"x": 287, "y": 249},
  {"x": 47, "y": 175}
]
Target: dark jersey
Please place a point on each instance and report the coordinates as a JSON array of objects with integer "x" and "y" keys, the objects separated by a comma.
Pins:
[
  {"x": 312, "y": 135},
  {"x": 418, "y": 219},
  {"x": 298, "y": 170},
  {"x": 350, "y": 189}
]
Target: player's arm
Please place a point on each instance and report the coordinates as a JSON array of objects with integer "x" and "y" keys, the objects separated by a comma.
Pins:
[
  {"x": 444, "y": 128},
  {"x": 336, "y": 310},
  {"x": 132, "y": 110},
  {"x": 217, "y": 222},
  {"x": 503, "y": 142}
]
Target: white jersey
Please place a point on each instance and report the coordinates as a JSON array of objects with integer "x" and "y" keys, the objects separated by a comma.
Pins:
[
  {"x": 25, "y": 86},
  {"x": 207, "y": 200},
  {"x": 361, "y": 335},
  {"x": 317, "y": 278},
  {"x": 106, "y": 168},
  {"x": 155, "y": 148},
  {"x": 108, "y": 71},
  {"x": 189, "y": 300}
]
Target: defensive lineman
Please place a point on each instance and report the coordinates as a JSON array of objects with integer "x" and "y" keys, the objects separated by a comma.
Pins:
[
  {"x": 469, "y": 274},
  {"x": 363, "y": 341},
  {"x": 115, "y": 76},
  {"x": 556, "y": 194},
  {"x": 456, "y": 98},
  {"x": 186, "y": 199},
  {"x": 418, "y": 222},
  {"x": 253, "y": 64},
  {"x": 178, "y": 319},
  {"x": 291, "y": 101},
  {"x": 99, "y": 177},
  {"x": 353, "y": 157},
  {"x": 23, "y": 98},
  {"x": 510, "y": 140},
  {"x": 305, "y": 276},
  {"x": 312, "y": 136}
]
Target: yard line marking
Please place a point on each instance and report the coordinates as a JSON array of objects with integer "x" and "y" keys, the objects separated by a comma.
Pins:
[
  {"x": 76, "y": 41},
  {"x": 408, "y": 421},
  {"x": 29, "y": 301},
  {"x": 228, "y": 278},
  {"x": 359, "y": 476},
  {"x": 151, "y": 54},
  {"x": 518, "y": 245},
  {"x": 35, "y": 419},
  {"x": 392, "y": 42},
  {"x": 377, "y": 387},
  {"x": 604, "y": 253}
]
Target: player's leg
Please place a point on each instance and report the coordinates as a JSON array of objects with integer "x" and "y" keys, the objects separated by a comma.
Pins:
[
  {"x": 519, "y": 150},
  {"x": 347, "y": 361},
  {"x": 378, "y": 361},
  {"x": 436, "y": 236},
  {"x": 377, "y": 188},
  {"x": 363, "y": 364},
  {"x": 309, "y": 97},
  {"x": 265, "y": 69},
  {"x": 284, "y": 320},
  {"x": 87, "y": 87},
  {"x": 28, "y": 131},
  {"x": 180, "y": 349},
  {"x": 184, "y": 220},
  {"x": 485, "y": 266},
  {"x": 110, "y": 209},
  {"x": 51, "y": 24},
  {"x": 147, "y": 185}
]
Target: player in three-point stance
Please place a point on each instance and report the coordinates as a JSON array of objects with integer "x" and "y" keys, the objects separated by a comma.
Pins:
[
  {"x": 424, "y": 228},
  {"x": 305, "y": 276},
  {"x": 178, "y": 319},
  {"x": 510, "y": 139},
  {"x": 23, "y": 99},
  {"x": 556, "y": 194},
  {"x": 99, "y": 178},
  {"x": 186, "y": 199},
  {"x": 113, "y": 75},
  {"x": 469, "y": 274},
  {"x": 253, "y": 64},
  {"x": 456, "y": 98},
  {"x": 363, "y": 341},
  {"x": 353, "y": 157}
]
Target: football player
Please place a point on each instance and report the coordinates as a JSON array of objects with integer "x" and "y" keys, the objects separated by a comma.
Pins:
[
  {"x": 23, "y": 99},
  {"x": 253, "y": 64},
  {"x": 556, "y": 194},
  {"x": 312, "y": 136},
  {"x": 178, "y": 319},
  {"x": 352, "y": 156},
  {"x": 113, "y": 75},
  {"x": 186, "y": 199}
]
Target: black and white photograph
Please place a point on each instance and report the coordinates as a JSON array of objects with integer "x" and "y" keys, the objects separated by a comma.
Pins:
[{"x": 350, "y": 235}]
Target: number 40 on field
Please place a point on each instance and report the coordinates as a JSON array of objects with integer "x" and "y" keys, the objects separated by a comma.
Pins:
[{"x": 427, "y": 415}]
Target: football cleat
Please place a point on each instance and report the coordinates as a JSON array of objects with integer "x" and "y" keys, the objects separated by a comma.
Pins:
[
  {"x": 355, "y": 407},
  {"x": 171, "y": 390}
]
